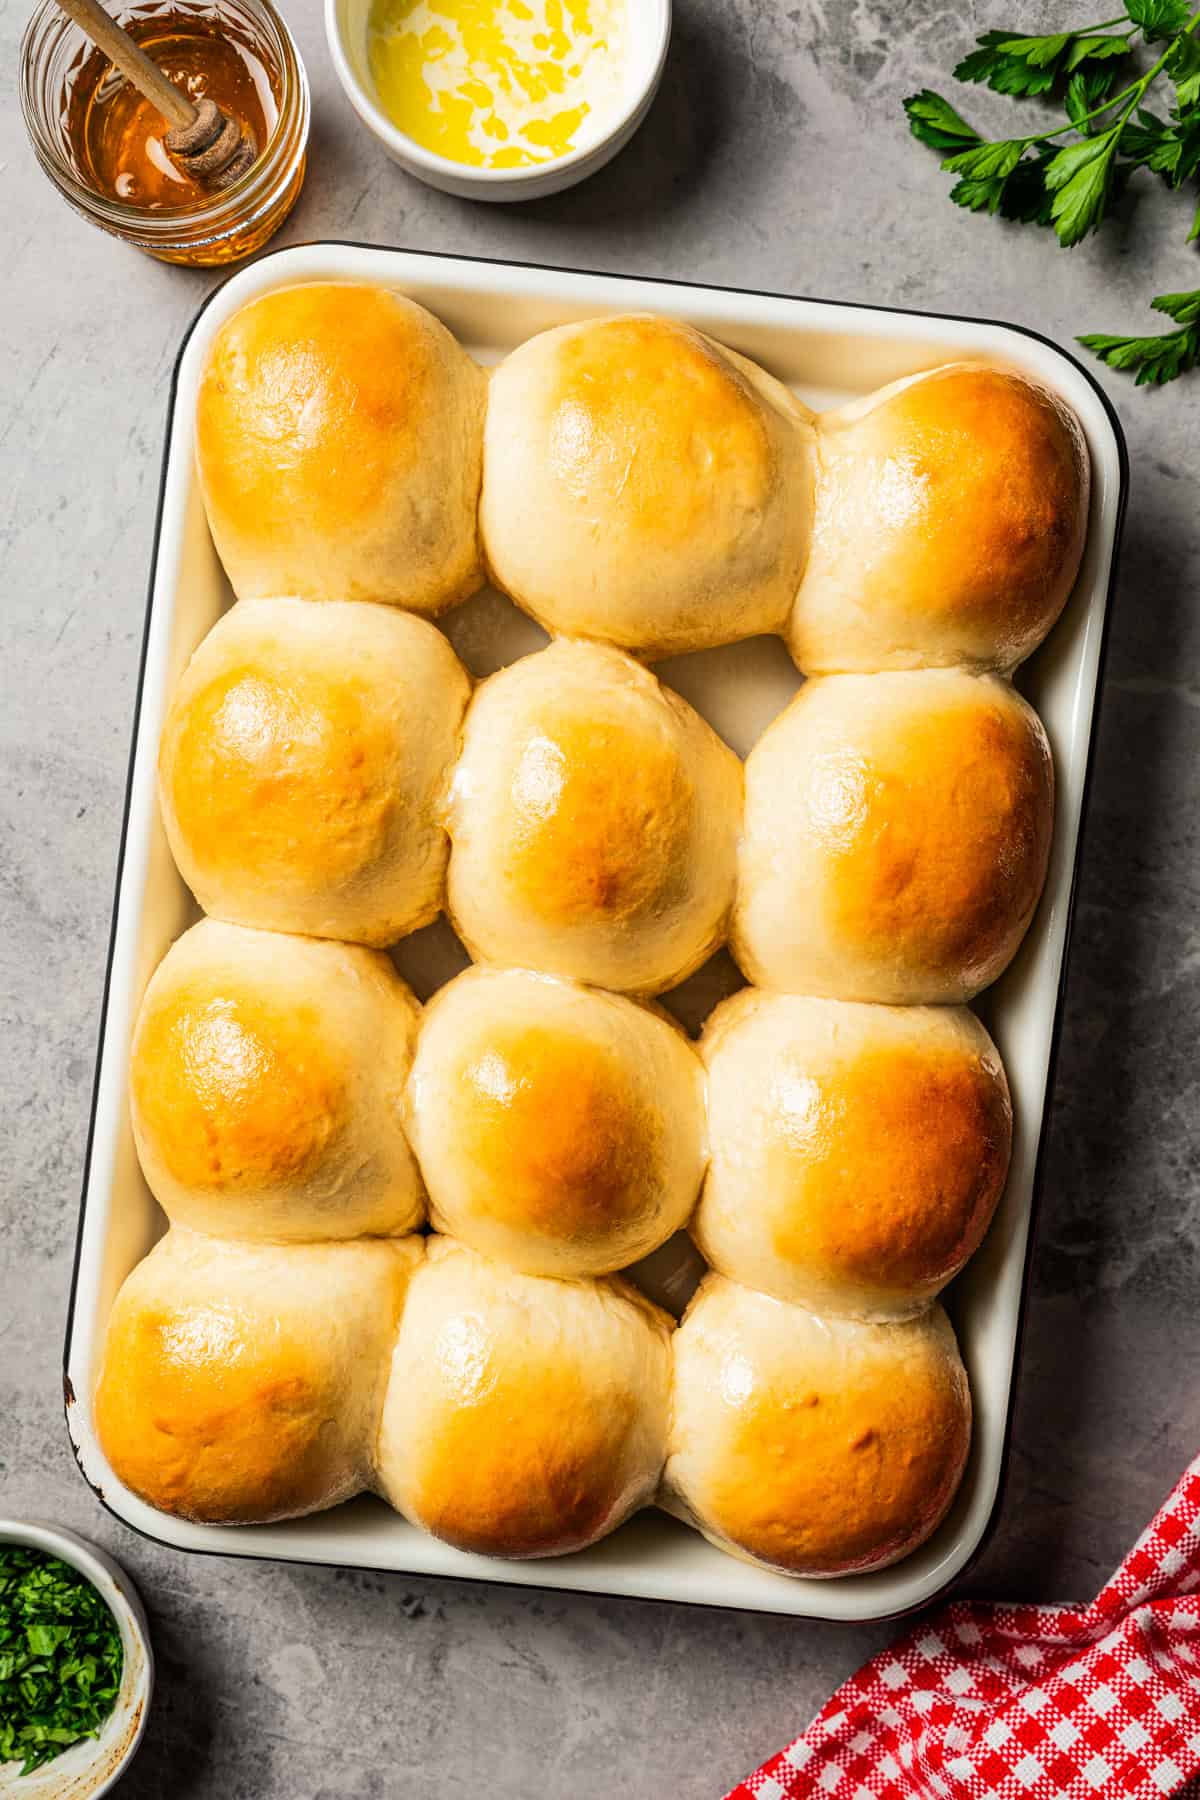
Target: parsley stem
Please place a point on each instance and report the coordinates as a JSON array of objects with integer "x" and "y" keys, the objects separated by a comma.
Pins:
[{"x": 1133, "y": 93}]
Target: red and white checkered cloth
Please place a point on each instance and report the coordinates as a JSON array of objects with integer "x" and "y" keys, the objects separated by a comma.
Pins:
[{"x": 1024, "y": 1702}]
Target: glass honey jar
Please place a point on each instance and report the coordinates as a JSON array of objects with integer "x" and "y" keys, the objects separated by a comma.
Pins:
[{"x": 100, "y": 142}]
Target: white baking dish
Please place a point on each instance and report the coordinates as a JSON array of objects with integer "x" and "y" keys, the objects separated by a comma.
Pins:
[{"x": 828, "y": 353}]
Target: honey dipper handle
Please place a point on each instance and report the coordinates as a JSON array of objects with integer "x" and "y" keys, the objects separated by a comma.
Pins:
[{"x": 132, "y": 61}]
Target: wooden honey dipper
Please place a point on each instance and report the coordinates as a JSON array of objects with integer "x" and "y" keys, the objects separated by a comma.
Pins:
[{"x": 202, "y": 141}]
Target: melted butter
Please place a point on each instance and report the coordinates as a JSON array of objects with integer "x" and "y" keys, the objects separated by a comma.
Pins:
[{"x": 498, "y": 84}]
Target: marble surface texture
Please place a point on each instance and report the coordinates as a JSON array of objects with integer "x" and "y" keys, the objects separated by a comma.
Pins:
[{"x": 776, "y": 156}]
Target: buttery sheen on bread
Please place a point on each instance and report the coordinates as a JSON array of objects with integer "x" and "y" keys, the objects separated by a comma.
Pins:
[
  {"x": 950, "y": 520},
  {"x": 817, "y": 1446},
  {"x": 858, "y": 1152},
  {"x": 266, "y": 1087},
  {"x": 304, "y": 765},
  {"x": 559, "y": 1128},
  {"x": 644, "y": 485},
  {"x": 897, "y": 832},
  {"x": 242, "y": 1383},
  {"x": 594, "y": 819},
  {"x": 339, "y": 433},
  {"x": 524, "y": 1416}
]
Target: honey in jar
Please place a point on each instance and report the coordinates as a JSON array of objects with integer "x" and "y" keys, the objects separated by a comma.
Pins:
[
  {"x": 119, "y": 134},
  {"x": 103, "y": 145}
]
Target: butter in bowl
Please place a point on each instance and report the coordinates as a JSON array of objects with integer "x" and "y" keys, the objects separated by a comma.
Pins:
[{"x": 500, "y": 99}]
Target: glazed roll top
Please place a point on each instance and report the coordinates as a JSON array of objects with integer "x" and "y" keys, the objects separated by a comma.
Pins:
[
  {"x": 339, "y": 433},
  {"x": 950, "y": 522},
  {"x": 266, "y": 1087},
  {"x": 644, "y": 485},
  {"x": 524, "y": 1416},
  {"x": 897, "y": 832},
  {"x": 559, "y": 1128},
  {"x": 594, "y": 820},
  {"x": 243, "y": 1382},
  {"x": 858, "y": 1152},
  {"x": 817, "y": 1446},
  {"x": 304, "y": 765}
]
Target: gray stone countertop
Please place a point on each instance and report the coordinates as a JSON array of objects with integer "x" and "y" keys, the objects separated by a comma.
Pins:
[{"x": 775, "y": 157}]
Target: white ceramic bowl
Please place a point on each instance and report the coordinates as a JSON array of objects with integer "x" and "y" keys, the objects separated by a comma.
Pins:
[
  {"x": 649, "y": 30},
  {"x": 94, "y": 1765}
]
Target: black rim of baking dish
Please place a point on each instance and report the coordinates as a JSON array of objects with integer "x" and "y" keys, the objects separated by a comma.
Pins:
[{"x": 69, "y": 1398}]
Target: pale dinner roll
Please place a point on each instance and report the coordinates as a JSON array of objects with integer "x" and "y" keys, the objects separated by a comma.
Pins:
[
  {"x": 339, "y": 435},
  {"x": 858, "y": 1152},
  {"x": 267, "y": 1084},
  {"x": 242, "y": 1382},
  {"x": 524, "y": 1416},
  {"x": 594, "y": 820},
  {"x": 896, "y": 838},
  {"x": 950, "y": 520},
  {"x": 644, "y": 485},
  {"x": 304, "y": 766},
  {"x": 818, "y": 1446},
  {"x": 558, "y": 1128}
]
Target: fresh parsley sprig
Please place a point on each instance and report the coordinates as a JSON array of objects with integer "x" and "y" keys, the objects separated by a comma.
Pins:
[
  {"x": 1070, "y": 186},
  {"x": 60, "y": 1658},
  {"x": 1161, "y": 358}
]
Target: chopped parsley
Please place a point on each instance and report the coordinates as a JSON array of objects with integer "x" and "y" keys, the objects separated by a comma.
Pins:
[{"x": 60, "y": 1657}]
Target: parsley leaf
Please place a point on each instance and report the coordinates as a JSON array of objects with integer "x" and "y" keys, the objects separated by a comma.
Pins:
[
  {"x": 60, "y": 1658},
  {"x": 1160, "y": 359},
  {"x": 1024, "y": 66},
  {"x": 1079, "y": 178},
  {"x": 1183, "y": 308},
  {"x": 933, "y": 121},
  {"x": 1085, "y": 90},
  {"x": 983, "y": 171},
  {"x": 1156, "y": 360},
  {"x": 1183, "y": 66},
  {"x": 1169, "y": 150},
  {"x": 1158, "y": 18}
]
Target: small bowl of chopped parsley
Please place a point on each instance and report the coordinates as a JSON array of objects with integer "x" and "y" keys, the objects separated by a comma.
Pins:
[{"x": 76, "y": 1669}]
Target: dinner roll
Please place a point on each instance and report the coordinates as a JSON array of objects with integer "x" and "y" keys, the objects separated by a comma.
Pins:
[
  {"x": 242, "y": 1382},
  {"x": 593, "y": 820},
  {"x": 896, "y": 838},
  {"x": 950, "y": 520},
  {"x": 858, "y": 1152},
  {"x": 818, "y": 1446},
  {"x": 304, "y": 766},
  {"x": 644, "y": 485},
  {"x": 524, "y": 1416},
  {"x": 558, "y": 1128},
  {"x": 339, "y": 433},
  {"x": 266, "y": 1087}
]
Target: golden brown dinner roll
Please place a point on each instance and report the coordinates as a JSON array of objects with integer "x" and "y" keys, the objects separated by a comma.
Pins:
[
  {"x": 950, "y": 520},
  {"x": 339, "y": 435},
  {"x": 644, "y": 485},
  {"x": 818, "y": 1446},
  {"x": 594, "y": 820},
  {"x": 896, "y": 837},
  {"x": 524, "y": 1416},
  {"x": 304, "y": 766},
  {"x": 558, "y": 1128},
  {"x": 858, "y": 1152},
  {"x": 242, "y": 1382},
  {"x": 266, "y": 1087}
]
